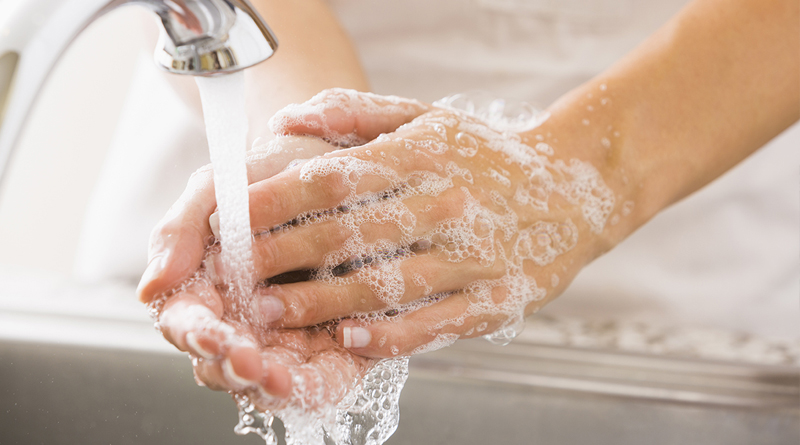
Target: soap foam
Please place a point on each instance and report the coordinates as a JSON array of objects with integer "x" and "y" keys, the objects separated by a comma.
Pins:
[
  {"x": 475, "y": 233},
  {"x": 343, "y": 105}
]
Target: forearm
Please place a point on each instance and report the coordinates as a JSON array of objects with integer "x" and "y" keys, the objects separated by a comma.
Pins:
[
  {"x": 713, "y": 85},
  {"x": 314, "y": 53}
]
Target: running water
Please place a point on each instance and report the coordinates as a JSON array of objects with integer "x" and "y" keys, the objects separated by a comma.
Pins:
[
  {"x": 226, "y": 129},
  {"x": 369, "y": 413}
]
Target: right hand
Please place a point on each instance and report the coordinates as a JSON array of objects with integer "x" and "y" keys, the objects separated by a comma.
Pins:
[
  {"x": 265, "y": 364},
  {"x": 275, "y": 368}
]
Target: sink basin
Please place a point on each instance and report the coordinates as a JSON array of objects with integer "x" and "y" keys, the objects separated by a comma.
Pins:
[
  {"x": 530, "y": 394},
  {"x": 100, "y": 377}
]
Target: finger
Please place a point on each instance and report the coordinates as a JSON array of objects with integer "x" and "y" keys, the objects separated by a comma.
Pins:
[
  {"x": 274, "y": 378},
  {"x": 387, "y": 285},
  {"x": 290, "y": 197},
  {"x": 196, "y": 308},
  {"x": 350, "y": 176},
  {"x": 242, "y": 367},
  {"x": 237, "y": 364},
  {"x": 346, "y": 117},
  {"x": 317, "y": 240},
  {"x": 421, "y": 330},
  {"x": 296, "y": 249},
  {"x": 322, "y": 381},
  {"x": 209, "y": 373},
  {"x": 178, "y": 242},
  {"x": 238, "y": 369}
]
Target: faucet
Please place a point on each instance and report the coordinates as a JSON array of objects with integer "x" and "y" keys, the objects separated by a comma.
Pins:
[{"x": 198, "y": 37}]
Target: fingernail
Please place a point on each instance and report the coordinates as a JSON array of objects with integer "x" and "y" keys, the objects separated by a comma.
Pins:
[
  {"x": 213, "y": 221},
  {"x": 356, "y": 337},
  {"x": 154, "y": 269},
  {"x": 232, "y": 376},
  {"x": 191, "y": 340},
  {"x": 268, "y": 309}
]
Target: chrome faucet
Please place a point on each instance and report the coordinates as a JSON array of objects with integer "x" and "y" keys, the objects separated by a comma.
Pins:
[{"x": 198, "y": 37}]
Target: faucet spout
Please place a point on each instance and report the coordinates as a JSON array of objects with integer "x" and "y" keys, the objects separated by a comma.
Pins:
[
  {"x": 198, "y": 37},
  {"x": 210, "y": 37}
]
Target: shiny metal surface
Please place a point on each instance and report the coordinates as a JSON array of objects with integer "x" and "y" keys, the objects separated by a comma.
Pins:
[
  {"x": 83, "y": 364},
  {"x": 209, "y": 37},
  {"x": 472, "y": 393},
  {"x": 198, "y": 37}
]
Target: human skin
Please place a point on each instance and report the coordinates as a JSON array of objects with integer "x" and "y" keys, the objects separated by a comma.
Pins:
[
  {"x": 709, "y": 88},
  {"x": 294, "y": 74}
]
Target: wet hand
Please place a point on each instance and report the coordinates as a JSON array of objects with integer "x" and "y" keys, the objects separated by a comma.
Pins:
[
  {"x": 245, "y": 357},
  {"x": 275, "y": 368},
  {"x": 179, "y": 242},
  {"x": 445, "y": 228}
]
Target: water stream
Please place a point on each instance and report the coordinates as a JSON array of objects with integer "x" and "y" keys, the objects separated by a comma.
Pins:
[
  {"x": 369, "y": 413},
  {"x": 226, "y": 128}
]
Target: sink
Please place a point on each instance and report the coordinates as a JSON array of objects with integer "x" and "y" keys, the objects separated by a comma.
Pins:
[
  {"x": 531, "y": 395},
  {"x": 104, "y": 376}
]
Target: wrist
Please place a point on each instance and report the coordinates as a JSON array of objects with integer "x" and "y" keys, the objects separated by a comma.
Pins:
[{"x": 590, "y": 125}]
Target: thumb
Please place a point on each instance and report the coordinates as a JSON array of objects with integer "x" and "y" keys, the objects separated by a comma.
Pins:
[{"x": 346, "y": 117}]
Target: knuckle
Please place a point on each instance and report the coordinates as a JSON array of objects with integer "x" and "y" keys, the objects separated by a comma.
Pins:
[
  {"x": 421, "y": 276},
  {"x": 175, "y": 224},
  {"x": 330, "y": 237},
  {"x": 304, "y": 309},
  {"x": 282, "y": 201},
  {"x": 169, "y": 224},
  {"x": 267, "y": 255},
  {"x": 332, "y": 188}
]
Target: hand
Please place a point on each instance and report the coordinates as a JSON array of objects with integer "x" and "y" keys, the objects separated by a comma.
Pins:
[
  {"x": 178, "y": 243},
  {"x": 452, "y": 227},
  {"x": 263, "y": 364},
  {"x": 275, "y": 368},
  {"x": 190, "y": 310}
]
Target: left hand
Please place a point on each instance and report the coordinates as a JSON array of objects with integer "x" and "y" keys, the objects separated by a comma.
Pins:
[{"x": 456, "y": 229}]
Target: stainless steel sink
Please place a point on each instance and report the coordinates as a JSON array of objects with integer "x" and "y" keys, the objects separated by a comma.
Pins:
[
  {"x": 82, "y": 366},
  {"x": 472, "y": 393}
]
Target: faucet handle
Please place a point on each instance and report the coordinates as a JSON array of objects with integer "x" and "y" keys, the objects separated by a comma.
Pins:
[{"x": 211, "y": 37}]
